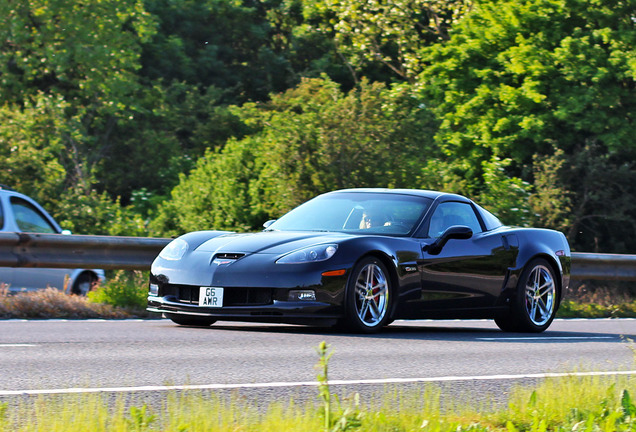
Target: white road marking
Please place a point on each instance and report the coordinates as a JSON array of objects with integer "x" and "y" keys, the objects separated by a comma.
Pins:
[
  {"x": 308, "y": 383},
  {"x": 16, "y": 345},
  {"x": 546, "y": 338}
]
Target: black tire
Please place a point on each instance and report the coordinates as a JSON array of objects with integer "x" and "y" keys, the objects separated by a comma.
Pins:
[
  {"x": 190, "y": 320},
  {"x": 535, "y": 303},
  {"x": 83, "y": 284},
  {"x": 368, "y": 297}
]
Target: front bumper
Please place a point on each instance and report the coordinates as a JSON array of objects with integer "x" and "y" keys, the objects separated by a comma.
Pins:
[{"x": 246, "y": 304}]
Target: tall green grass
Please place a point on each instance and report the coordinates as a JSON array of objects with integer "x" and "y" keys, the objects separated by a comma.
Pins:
[
  {"x": 560, "y": 404},
  {"x": 568, "y": 403}
]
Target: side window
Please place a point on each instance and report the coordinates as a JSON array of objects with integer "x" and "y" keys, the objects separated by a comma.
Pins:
[
  {"x": 1, "y": 217},
  {"x": 490, "y": 220},
  {"x": 451, "y": 213},
  {"x": 28, "y": 218}
]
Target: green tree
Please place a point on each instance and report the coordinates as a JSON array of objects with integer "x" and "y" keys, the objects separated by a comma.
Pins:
[
  {"x": 550, "y": 202},
  {"x": 309, "y": 140},
  {"x": 318, "y": 139},
  {"x": 85, "y": 50},
  {"x": 601, "y": 186},
  {"x": 68, "y": 72},
  {"x": 172, "y": 127},
  {"x": 549, "y": 86},
  {"x": 518, "y": 78},
  {"x": 247, "y": 48},
  {"x": 31, "y": 147},
  {"x": 389, "y": 33}
]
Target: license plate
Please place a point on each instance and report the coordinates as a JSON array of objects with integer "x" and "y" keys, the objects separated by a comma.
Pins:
[{"x": 211, "y": 297}]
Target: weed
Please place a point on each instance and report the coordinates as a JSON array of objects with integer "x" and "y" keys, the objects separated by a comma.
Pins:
[
  {"x": 140, "y": 418},
  {"x": 349, "y": 418},
  {"x": 323, "y": 381},
  {"x": 127, "y": 289}
]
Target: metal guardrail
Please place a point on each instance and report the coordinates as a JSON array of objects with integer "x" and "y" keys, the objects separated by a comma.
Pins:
[
  {"x": 603, "y": 266},
  {"x": 78, "y": 251},
  {"x": 137, "y": 253}
]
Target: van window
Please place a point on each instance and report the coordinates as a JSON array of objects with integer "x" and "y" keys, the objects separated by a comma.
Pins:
[{"x": 30, "y": 219}]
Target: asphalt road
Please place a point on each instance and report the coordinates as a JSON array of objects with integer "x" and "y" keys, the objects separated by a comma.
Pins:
[{"x": 151, "y": 356}]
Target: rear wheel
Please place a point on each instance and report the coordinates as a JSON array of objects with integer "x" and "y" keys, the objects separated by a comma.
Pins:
[
  {"x": 189, "y": 320},
  {"x": 368, "y": 297},
  {"x": 535, "y": 304}
]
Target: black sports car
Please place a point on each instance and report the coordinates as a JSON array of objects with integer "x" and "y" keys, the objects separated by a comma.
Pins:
[{"x": 361, "y": 258}]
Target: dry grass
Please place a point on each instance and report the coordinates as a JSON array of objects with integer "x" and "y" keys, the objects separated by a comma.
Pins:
[
  {"x": 603, "y": 293},
  {"x": 53, "y": 303},
  {"x": 596, "y": 299}
]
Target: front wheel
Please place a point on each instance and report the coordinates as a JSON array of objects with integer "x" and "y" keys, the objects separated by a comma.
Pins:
[
  {"x": 535, "y": 304},
  {"x": 368, "y": 297},
  {"x": 189, "y": 320}
]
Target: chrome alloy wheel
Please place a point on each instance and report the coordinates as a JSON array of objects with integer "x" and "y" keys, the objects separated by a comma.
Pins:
[
  {"x": 540, "y": 294},
  {"x": 371, "y": 295}
]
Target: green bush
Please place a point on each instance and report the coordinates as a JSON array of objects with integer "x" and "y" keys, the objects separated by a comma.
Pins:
[{"x": 126, "y": 289}]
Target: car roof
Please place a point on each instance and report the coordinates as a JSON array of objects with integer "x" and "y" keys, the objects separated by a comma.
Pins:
[
  {"x": 417, "y": 192},
  {"x": 7, "y": 191}
]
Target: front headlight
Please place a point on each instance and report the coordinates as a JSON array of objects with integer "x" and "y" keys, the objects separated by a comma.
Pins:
[
  {"x": 309, "y": 254},
  {"x": 174, "y": 250}
]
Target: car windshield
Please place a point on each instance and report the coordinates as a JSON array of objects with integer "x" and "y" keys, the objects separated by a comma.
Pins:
[{"x": 357, "y": 212}]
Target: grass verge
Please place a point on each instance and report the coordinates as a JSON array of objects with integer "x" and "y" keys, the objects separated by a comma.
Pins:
[
  {"x": 122, "y": 296},
  {"x": 559, "y": 404},
  {"x": 52, "y": 303},
  {"x": 599, "y": 299},
  {"x": 577, "y": 309}
]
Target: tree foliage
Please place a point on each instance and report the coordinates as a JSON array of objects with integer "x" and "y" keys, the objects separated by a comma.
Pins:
[
  {"x": 222, "y": 113},
  {"x": 68, "y": 73},
  {"x": 392, "y": 33},
  {"x": 520, "y": 80},
  {"x": 31, "y": 147},
  {"x": 220, "y": 43},
  {"x": 310, "y": 140},
  {"x": 84, "y": 50},
  {"x": 520, "y": 77}
]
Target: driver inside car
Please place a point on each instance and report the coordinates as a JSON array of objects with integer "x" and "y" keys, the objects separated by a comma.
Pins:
[{"x": 371, "y": 219}]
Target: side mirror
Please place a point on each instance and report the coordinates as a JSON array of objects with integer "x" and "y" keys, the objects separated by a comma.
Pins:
[
  {"x": 268, "y": 223},
  {"x": 66, "y": 232},
  {"x": 457, "y": 232}
]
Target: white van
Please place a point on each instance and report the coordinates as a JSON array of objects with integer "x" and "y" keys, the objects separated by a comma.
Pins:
[{"x": 19, "y": 213}]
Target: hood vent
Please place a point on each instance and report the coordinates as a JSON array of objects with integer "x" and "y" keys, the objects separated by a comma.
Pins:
[{"x": 226, "y": 258}]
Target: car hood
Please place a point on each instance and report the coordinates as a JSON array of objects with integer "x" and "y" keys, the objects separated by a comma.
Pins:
[{"x": 270, "y": 242}]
